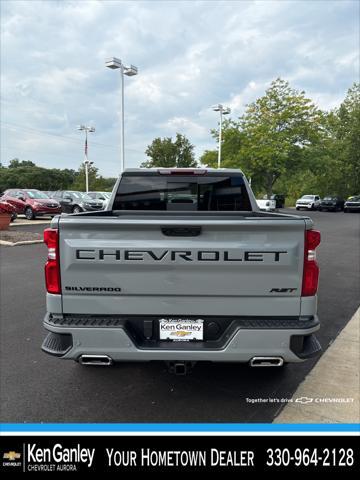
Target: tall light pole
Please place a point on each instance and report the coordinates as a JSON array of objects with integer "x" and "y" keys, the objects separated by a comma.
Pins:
[
  {"x": 223, "y": 111},
  {"x": 115, "y": 63},
  {"x": 86, "y": 160}
]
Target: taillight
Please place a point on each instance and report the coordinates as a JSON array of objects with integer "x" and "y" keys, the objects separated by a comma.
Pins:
[
  {"x": 52, "y": 266},
  {"x": 311, "y": 267}
]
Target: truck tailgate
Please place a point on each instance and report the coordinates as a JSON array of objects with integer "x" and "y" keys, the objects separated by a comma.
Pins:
[{"x": 188, "y": 266}]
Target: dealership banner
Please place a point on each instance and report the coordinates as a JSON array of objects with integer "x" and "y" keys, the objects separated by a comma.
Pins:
[{"x": 47, "y": 454}]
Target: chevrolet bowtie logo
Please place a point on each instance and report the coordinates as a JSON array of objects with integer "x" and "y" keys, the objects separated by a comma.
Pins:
[
  {"x": 180, "y": 333},
  {"x": 11, "y": 456}
]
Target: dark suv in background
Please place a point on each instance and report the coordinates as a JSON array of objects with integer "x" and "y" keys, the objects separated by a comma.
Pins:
[
  {"x": 352, "y": 204},
  {"x": 76, "y": 202},
  {"x": 332, "y": 203},
  {"x": 279, "y": 199},
  {"x": 32, "y": 203}
]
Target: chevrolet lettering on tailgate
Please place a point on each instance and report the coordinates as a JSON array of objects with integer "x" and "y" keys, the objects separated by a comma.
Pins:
[{"x": 179, "y": 255}]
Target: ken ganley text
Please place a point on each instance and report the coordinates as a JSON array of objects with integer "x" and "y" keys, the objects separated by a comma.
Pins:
[
  {"x": 57, "y": 457},
  {"x": 147, "y": 457}
]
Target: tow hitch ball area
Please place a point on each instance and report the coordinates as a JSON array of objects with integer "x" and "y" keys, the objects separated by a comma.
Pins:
[
  {"x": 175, "y": 368},
  {"x": 180, "y": 368}
]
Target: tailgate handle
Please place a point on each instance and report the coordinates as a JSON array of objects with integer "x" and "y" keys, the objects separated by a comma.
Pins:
[{"x": 181, "y": 231}]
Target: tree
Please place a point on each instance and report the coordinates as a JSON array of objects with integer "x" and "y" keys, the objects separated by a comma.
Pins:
[
  {"x": 209, "y": 158},
  {"x": 96, "y": 181},
  {"x": 104, "y": 184},
  {"x": 272, "y": 137},
  {"x": 16, "y": 163},
  {"x": 283, "y": 139},
  {"x": 36, "y": 177},
  {"x": 80, "y": 178},
  {"x": 347, "y": 135},
  {"x": 232, "y": 141},
  {"x": 25, "y": 174},
  {"x": 337, "y": 151},
  {"x": 278, "y": 128},
  {"x": 166, "y": 153}
]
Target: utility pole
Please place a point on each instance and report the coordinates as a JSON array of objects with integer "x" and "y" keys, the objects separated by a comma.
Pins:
[
  {"x": 115, "y": 63},
  {"x": 86, "y": 129},
  {"x": 223, "y": 111}
]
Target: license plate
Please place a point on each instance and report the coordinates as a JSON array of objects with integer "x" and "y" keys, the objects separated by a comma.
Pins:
[{"x": 181, "y": 329}]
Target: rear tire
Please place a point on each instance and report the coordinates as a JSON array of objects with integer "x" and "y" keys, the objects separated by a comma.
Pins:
[
  {"x": 76, "y": 209},
  {"x": 29, "y": 213}
]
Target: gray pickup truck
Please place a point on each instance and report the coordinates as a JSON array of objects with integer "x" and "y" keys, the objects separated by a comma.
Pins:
[{"x": 182, "y": 267}]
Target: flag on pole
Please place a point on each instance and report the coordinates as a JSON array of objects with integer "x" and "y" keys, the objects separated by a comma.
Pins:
[{"x": 86, "y": 150}]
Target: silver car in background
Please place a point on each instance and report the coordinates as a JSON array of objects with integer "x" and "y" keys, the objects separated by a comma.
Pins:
[{"x": 104, "y": 197}]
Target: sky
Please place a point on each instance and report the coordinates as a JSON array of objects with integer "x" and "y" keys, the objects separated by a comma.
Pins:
[{"x": 190, "y": 55}]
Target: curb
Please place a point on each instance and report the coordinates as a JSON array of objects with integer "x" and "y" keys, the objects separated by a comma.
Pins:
[
  {"x": 23, "y": 224},
  {"x": 330, "y": 391},
  {"x": 25, "y": 242}
]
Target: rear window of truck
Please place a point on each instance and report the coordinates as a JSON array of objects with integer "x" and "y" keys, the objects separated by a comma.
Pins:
[{"x": 182, "y": 192}]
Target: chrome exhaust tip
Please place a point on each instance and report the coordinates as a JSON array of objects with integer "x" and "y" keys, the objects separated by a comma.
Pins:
[
  {"x": 267, "y": 362},
  {"x": 102, "y": 360}
]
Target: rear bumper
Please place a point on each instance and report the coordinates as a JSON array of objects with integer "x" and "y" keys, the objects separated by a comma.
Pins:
[
  {"x": 92, "y": 209},
  {"x": 240, "y": 342},
  {"x": 309, "y": 206},
  {"x": 355, "y": 208},
  {"x": 329, "y": 207},
  {"x": 48, "y": 211}
]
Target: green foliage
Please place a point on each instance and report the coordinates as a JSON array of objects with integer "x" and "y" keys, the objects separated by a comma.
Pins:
[
  {"x": 286, "y": 144},
  {"x": 35, "y": 177},
  {"x": 16, "y": 163},
  {"x": 80, "y": 181},
  {"x": 277, "y": 130},
  {"x": 25, "y": 174},
  {"x": 103, "y": 184},
  {"x": 209, "y": 158},
  {"x": 346, "y": 136},
  {"x": 332, "y": 164},
  {"x": 163, "y": 152},
  {"x": 96, "y": 182}
]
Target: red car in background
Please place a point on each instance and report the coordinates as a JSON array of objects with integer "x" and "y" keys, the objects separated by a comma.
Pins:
[
  {"x": 32, "y": 203},
  {"x": 6, "y": 207}
]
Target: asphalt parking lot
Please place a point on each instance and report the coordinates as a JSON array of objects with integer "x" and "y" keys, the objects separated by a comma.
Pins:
[{"x": 38, "y": 388}]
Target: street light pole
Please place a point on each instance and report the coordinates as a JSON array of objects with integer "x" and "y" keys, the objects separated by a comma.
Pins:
[
  {"x": 86, "y": 160},
  {"x": 220, "y": 132},
  {"x": 115, "y": 63},
  {"x": 223, "y": 111},
  {"x": 122, "y": 148}
]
